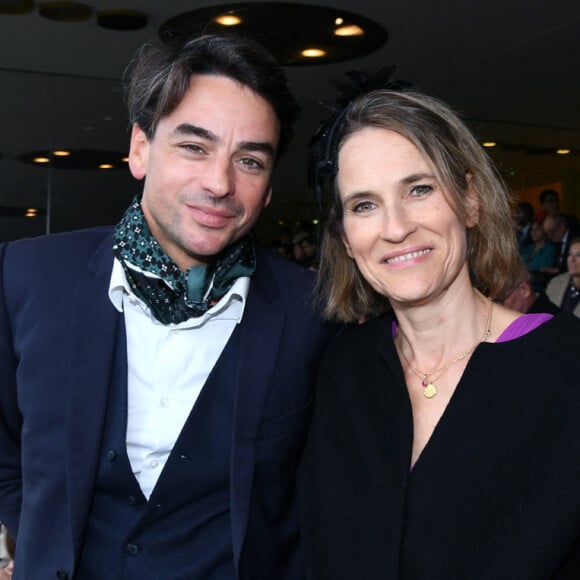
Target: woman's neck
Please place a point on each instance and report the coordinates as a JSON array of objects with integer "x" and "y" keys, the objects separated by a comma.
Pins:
[{"x": 430, "y": 334}]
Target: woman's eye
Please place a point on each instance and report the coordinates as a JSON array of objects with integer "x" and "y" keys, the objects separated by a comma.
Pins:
[
  {"x": 419, "y": 190},
  {"x": 363, "y": 206}
]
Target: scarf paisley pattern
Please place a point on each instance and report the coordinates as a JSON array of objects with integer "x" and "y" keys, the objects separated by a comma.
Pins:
[{"x": 174, "y": 296}]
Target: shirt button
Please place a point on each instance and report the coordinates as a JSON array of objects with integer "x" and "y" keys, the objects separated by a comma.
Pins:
[
  {"x": 164, "y": 402},
  {"x": 132, "y": 549},
  {"x": 111, "y": 455},
  {"x": 154, "y": 463}
]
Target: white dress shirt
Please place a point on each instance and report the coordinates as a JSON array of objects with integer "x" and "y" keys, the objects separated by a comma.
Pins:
[{"x": 168, "y": 365}]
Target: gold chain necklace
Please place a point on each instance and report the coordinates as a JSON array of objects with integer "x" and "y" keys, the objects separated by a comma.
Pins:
[{"x": 428, "y": 379}]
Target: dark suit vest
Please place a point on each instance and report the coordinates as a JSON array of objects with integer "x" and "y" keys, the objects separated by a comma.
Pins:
[{"x": 183, "y": 532}]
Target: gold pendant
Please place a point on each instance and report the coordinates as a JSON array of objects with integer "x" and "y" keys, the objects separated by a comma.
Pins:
[{"x": 430, "y": 391}]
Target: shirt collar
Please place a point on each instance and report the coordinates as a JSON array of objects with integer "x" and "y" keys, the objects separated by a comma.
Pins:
[{"x": 237, "y": 294}]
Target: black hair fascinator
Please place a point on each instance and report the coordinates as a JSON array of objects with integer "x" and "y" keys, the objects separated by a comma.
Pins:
[{"x": 323, "y": 158}]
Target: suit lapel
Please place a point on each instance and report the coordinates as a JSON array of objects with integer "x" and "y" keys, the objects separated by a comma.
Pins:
[
  {"x": 92, "y": 350},
  {"x": 261, "y": 330}
]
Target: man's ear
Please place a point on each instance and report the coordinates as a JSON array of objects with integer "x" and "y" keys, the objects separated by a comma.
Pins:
[
  {"x": 268, "y": 197},
  {"x": 472, "y": 203},
  {"x": 526, "y": 289},
  {"x": 138, "y": 152}
]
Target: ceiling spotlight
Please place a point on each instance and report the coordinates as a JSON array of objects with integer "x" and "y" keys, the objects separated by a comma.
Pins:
[
  {"x": 489, "y": 143},
  {"x": 82, "y": 159},
  {"x": 313, "y": 52},
  {"x": 563, "y": 151},
  {"x": 352, "y": 30},
  {"x": 284, "y": 28},
  {"x": 228, "y": 20},
  {"x": 18, "y": 212}
]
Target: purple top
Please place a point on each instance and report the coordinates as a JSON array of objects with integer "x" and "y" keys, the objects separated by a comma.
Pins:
[
  {"x": 523, "y": 325},
  {"x": 517, "y": 328}
]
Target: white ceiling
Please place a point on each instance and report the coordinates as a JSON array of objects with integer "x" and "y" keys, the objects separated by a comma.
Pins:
[{"x": 507, "y": 66}]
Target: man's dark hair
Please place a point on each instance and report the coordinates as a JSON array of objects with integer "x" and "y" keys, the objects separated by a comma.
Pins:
[
  {"x": 545, "y": 193},
  {"x": 159, "y": 76},
  {"x": 526, "y": 211}
]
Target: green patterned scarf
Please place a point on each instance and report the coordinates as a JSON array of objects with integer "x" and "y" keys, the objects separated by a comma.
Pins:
[{"x": 172, "y": 295}]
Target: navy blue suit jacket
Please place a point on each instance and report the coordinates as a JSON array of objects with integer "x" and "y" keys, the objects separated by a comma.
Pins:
[{"x": 57, "y": 330}]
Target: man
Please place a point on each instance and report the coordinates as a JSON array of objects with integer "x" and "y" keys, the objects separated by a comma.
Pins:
[
  {"x": 558, "y": 229},
  {"x": 524, "y": 298},
  {"x": 524, "y": 219},
  {"x": 155, "y": 379},
  {"x": 550, "y": 203}
]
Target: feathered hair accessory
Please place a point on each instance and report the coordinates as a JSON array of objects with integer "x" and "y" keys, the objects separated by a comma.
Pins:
[{"x": 323, "y": 158}]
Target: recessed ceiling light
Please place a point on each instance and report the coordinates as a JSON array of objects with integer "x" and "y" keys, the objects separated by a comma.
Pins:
[
  {"x": 18, "y": 212},
  {"x": 228, "y": 20},
  {"x": 563, "y": 151},
  {"x": 350, "y": 30},
  {"x": 489, "y": 143},
  {"x": 289, "y": 30},
  {"x": 84, "y": 159},
  {"x": 313, "y": 52}
]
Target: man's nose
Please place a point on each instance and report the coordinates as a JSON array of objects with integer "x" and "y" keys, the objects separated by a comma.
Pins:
[{"x": 217, "y": 177}]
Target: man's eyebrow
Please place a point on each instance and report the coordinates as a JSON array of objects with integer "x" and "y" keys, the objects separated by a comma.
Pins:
[
  {"x": 258, "y": 146},
  {"x": 189, "y": 129}
]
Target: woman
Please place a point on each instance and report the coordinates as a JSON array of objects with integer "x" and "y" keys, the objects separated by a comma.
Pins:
[
  {"x": 441, "y": 446},
  {"x": 540, "y": 254},
  {"x": 564, "y": 289}
]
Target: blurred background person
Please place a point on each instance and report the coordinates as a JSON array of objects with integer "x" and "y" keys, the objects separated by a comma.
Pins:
[
  {"x": 558, "y": 229},
  {"x": 524, "y": 298},
  {"x": 537, "y": 255},
  {"x": 524, "y": 219},
  {"x": 564, "y": 289},
  {"x": 305, "y": 249},
  {"x": 550, "y": 203}
]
